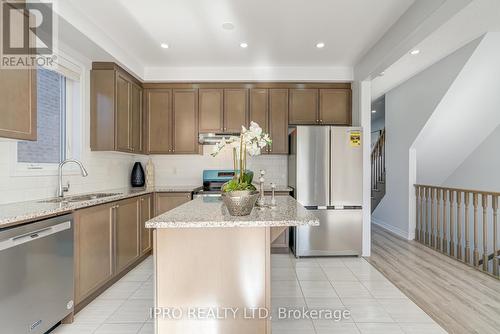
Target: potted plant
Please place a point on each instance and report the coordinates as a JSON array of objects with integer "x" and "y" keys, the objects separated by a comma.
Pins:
[{"x": 240, "y": 194}]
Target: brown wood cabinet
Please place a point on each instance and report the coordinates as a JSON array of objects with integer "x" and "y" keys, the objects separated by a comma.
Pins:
[
  {"x": 211, "y": 110},
  {"x": 172, "y": 121},
  {"x": 115, "y": 110},
  {"x": 126, "y": 222},
  {"x": 235, "y": 109},
  {"x": 328, "y": 106},
  {"x": 185, "y": 121},
  {"x": 167, "y": 201},
  {"x": 93, "y": 249},
  {"x": 335, "y": 106},
  {"x": 18, "y": 107},
  {"x": 145, "y": 214},
  {"x": 303, "y": 108},
  {"x": 269, "y": 108},
  {"x": 158, "y": 104}
]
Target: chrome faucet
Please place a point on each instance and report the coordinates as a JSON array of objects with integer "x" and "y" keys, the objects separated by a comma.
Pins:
[{"x": 62, "y": 189}]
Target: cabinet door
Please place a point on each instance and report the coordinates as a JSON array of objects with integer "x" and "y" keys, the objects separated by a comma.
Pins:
[
  {"x": 126, "y": 233},
  {"x": 185, "y": 121},
  {"x": 159, "y": 120},
  {"x": 18, "y": 104},
  {"x": 235, "y": 109},
  {"x": 259, "y": 107},
  {"x": 136, "y": 107},
  {"x": 167, "y": 201},
  {"x": 335, "y": 106},
  {"x": 303, "y": 106},
  {"x": 145, "y": 215},
  {"x": 278, "y": 121},
  {"x": 93, "y": 249},
  {"x": 210, "y": 112},
  {"x": 123, "y": 114}
]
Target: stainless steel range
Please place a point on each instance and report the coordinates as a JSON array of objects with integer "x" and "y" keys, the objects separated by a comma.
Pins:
[{"x": 213, "y": 179}]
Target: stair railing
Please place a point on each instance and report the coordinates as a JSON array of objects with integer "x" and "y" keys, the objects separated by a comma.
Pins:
[
  {"x": 378, "y": 161},
  {"x": 461, "y": 223}
]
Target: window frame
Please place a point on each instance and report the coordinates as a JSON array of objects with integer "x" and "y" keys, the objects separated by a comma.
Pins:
[{"x": 73, "y": 140}]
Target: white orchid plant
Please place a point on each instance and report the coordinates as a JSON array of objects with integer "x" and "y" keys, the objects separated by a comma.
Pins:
[{"x": 251, "y": 141}]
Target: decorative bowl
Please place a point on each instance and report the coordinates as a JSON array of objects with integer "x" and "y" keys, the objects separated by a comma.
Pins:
[{"x": 240, "y": 203}]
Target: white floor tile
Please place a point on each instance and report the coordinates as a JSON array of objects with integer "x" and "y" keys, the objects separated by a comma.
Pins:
[
  {"x": 148, "y": 328},
  {"x": 119, "y": 328},
  {"x": 405, "y": 311},
  {"x": 317, "y": 289},
  {"x": 97, "y": 311},
  {"x": 422, "y": 329},
  {"x": 76, "y": 328},
  {"x": 332, "y": 327},
  {"x": 283, "y": 274},
  {"x": 351, "y": 290},
  {"x": 339, "y": 274},
  {"x": 133, "y": 310},
  {"x": 331, "y": 262},
  {"x": 293, "y": 327},
  {"x": 285, "y": 289},
  {"x": 311, "y": 274},
  {"x": 379, "y": 328},
  {"x": 121, "y": 290},
  {"x": 383, "y": 289},
  {"x": 145, "y": 291}
]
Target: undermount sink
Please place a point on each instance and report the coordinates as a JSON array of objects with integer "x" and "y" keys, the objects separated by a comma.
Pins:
[{"x": 79, "y": 198}]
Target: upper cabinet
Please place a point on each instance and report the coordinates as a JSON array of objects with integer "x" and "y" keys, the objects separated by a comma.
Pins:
[
  {"x": 185, "y": 121},
  {"x": 269, "y": 108},
  {"x": 18, "y": 104},
  {"x": 335, "y": 106},
  {"x": 303, "y": 106},
  {"x": 158, "y": 106},
  {"x": 223, "y": 110},
  {"x": 171, "y": 121},
  {"x": 235, "y": 109},
  {"x": 116, "y": 110},
  {"x": 211, "y": 110},
  {"x": 325, "y": 106}
]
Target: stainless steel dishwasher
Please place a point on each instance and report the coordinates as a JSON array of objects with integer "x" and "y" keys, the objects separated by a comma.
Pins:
[{"x": 36, "y": 275}]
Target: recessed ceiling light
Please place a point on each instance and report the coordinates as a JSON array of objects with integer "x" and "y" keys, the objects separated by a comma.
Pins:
[
  {"x": 320, "y": 45},
  {"x": 244, "y": 45},
  {"x": 164, "y": 45},
  {"x": 227, "y": 26},
  {"x": 414, "y": 52},
  {"x": 374, "y": 111}
]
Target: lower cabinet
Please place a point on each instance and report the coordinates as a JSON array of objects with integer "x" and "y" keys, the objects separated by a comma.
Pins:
[
  {"x": 145, "y": 211},
  {"x": 167, "y": 201},
  {"x": 126, "y": 223},
  {"x": 93, "y": 249}
]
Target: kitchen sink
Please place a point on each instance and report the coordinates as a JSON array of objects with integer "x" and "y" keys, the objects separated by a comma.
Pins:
[{"x": 79, "y": 198}]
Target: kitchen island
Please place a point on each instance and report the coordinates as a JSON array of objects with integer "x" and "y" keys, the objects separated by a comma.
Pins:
[{"x": 213, "y": 270}]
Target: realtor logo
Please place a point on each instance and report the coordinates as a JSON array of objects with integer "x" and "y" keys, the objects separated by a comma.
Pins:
[{"x": 28, "y": 30}]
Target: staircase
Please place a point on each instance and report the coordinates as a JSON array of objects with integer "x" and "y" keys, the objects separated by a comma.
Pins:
[{"x": 378, "y": 170}]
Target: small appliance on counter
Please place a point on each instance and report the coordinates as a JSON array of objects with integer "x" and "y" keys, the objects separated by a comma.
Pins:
[
  {"x": 137, "y": 178},
  {"x": 325, "y": 167}
]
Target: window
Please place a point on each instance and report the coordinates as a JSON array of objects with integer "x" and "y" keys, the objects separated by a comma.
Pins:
[
  {"x": 50, "y": 146},
  {"x": 57, "y": 124}
]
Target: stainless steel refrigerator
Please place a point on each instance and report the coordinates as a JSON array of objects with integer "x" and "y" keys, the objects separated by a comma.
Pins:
[{"x": 325, "y": 168}]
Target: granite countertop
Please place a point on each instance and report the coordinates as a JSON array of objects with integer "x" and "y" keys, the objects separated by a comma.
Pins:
[
  {"x": 211, "y": 212},
  {"x": 16, "y": 213}
]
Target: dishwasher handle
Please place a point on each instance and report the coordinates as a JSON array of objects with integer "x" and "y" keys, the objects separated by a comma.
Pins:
[{"x": 34, "y": 235}]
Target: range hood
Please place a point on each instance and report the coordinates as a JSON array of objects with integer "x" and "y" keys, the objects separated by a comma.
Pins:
[{"x": 213, "y": 138}]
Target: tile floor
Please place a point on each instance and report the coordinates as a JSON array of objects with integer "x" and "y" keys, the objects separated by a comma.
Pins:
[{"x": 375, "y": 304}]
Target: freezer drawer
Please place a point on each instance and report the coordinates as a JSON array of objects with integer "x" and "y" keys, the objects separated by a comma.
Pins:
[{"x": 339, "y": 233}]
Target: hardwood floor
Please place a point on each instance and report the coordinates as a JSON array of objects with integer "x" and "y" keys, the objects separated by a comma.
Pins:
[{"x": 458, "y": 297}]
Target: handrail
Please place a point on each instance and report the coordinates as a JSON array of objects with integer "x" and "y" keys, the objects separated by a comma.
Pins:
[
  {"x": 482, "y": 192},
  {"x": 461, "y": 223},
  {"x": 378, "y": 161}
]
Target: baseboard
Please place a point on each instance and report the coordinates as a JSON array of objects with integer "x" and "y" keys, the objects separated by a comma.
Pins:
[{"x": 390, "y": 228}]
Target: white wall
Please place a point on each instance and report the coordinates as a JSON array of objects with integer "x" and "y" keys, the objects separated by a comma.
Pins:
[
  {"x": 481, "y": 169},
  {"x": 408, "y": 107},
  {"x": 466, "y": 115}
]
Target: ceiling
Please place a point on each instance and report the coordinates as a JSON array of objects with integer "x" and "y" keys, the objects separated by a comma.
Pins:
[
  {"x": 478, "y": 18},
  {"x": 278, "y": 32}
]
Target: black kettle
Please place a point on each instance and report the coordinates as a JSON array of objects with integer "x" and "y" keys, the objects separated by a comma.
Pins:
[{"x": 137, "y": 178}]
